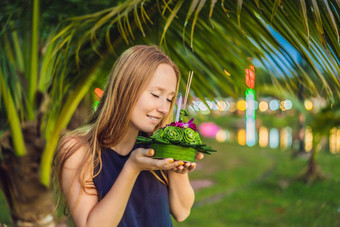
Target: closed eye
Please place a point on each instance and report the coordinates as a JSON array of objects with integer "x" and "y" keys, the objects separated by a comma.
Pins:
[{"x": 157, "y": 96}]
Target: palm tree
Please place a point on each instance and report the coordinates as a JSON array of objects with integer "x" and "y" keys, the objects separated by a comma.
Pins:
[
  {"x": 44, "y": 77},
  {"x": 32, "y": 102},
  {"x": 321, "y": 123}
]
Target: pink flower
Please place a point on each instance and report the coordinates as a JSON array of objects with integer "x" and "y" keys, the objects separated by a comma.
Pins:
[{"x": 184, "y": 125}]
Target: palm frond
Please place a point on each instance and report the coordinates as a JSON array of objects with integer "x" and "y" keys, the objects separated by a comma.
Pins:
[
  {"x": 222, "y": 36},
  {"x": 55, "y": 124},
  {"x": 13, "y": 118}
]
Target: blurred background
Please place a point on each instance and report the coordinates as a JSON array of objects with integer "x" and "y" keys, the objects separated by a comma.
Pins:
[{"x": 265, "y": 94}]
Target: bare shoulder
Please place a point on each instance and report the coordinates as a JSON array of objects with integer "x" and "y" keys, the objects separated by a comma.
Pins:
[
  {"x": 74, "y": 151},
  {"x": 76, "y": 179},
  {"x": 77, "y": 168}
]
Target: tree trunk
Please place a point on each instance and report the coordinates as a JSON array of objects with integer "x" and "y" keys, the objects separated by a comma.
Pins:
[
  {"x": 312, "y": 167},
  {"x": 301, "y": 124},
  {"x": 313, "y": 171},
  {"x": 30, "y": 202}
]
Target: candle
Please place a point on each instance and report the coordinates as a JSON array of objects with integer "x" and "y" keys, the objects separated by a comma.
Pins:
[{"x": 179, "y": 106}]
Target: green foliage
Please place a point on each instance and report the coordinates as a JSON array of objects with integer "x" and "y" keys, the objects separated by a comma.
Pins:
[
  {"x": 326, "y": 119},
  {"x": 257, "y": 187}
]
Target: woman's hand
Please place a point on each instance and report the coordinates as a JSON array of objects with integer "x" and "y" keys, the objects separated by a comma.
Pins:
[
  {"x": 141, "y": 159},
  {"x": 199, "y": 156},
  {"x": 186, "y": 167}
]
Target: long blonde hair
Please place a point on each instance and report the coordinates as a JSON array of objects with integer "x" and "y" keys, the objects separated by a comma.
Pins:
[{"x": 129, "y": 77}]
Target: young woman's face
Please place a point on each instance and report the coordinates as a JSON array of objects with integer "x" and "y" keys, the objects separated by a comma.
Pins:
[{"x": 154, "y": 103}]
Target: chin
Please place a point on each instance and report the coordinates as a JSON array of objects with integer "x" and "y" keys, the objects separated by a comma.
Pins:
[{"x": 147, "y": 129}]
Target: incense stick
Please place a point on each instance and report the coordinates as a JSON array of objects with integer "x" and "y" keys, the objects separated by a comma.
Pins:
[{"x": 191, "y": 73}]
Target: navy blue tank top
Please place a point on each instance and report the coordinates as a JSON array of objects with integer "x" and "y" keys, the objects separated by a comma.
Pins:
[{"x": 148, "y": 204}]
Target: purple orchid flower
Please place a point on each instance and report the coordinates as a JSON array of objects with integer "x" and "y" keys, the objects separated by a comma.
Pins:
[{"x": 184, "y": 125}]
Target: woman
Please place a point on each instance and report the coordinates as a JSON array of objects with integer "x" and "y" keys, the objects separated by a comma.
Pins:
[{"x": 105, "y": 178}]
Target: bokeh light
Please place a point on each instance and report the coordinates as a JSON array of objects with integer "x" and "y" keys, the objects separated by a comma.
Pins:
[
  {"x": 241, "y": 105},
  {"x": 209, "y": 129},
  {"x": 288, "y": 104},
  {"x": 308, "y": 104},
  {"x": 282, "y": 107},
  {"x": 338, "y": 141},
  {"x": 285, "y": 138},
  {"x": 221, "y": 136},
  {"x": 256, "y": 105},
  {"x": 203, "y": 108},
  {"x": 263, "y": 106},
  {"x": 227, "y": 106},
  {"x": 227, "y": 73},
  {"x": 263, "y": 137},
  {"x": 195, "y": 105},
  {"x": 308, "y": 139},
  {"x": 221, "y": 105},
  {"x": 232, "y": 107},
  {"x": 212, "y": 105},
  {"x": 241, "y": 137},
  {"x": 274, "y": 105},
  {"x": 273, "y": 138},
  {"x": 250, "y": 132},
  {"x": 333, "y": 141}
]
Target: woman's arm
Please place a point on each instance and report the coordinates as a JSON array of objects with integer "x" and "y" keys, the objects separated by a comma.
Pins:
[
  {"x": 181, "y": 193},
  {"x": 85, "y": 208}
]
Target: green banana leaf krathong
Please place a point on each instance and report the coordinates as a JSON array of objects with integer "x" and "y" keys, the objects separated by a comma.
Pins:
[{"x": 177, "y": 140}]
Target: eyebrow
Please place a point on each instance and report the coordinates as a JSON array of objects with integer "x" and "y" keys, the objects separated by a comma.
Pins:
[{"x": 162, "y": 89}]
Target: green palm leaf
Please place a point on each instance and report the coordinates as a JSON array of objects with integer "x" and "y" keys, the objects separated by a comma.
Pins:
[{"x": 81, "y": 43}]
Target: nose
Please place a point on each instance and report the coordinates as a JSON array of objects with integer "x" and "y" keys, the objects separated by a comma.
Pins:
[{"x": 163, "y": 106}]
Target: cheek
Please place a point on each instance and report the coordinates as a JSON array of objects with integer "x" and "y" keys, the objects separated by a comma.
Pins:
[{"x": 143, "y": 104}]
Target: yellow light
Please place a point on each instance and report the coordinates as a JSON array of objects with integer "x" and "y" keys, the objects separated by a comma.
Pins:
[
  {"x": 226, "y": 72},
  {"x": 241, "y": 137},
  {"x": 221, "y": 136},
  {"x": 308, "y": 139},
  {"x": 241, "y": 105},
  {"x": 263, "y": 106},
  {"x": 263, "y": 137},
  {"x": 338, "y": 141},
  {"x": 284, "y": 139},
  {"x": 332, "y": 141},
  {"x": 308, "y": 105},
  {"x": 282, "y": 106}
]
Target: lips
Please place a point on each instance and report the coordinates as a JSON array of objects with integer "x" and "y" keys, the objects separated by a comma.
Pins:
[{"x": 153, "y": 118}]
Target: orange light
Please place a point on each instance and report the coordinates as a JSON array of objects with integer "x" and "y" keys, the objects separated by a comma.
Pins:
[
  {"x": 99, "y": 92},
  {"x": 263, "y": 137},
  {"x": 226, "y": 72},
  {"x": 250, "y": 76}
]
